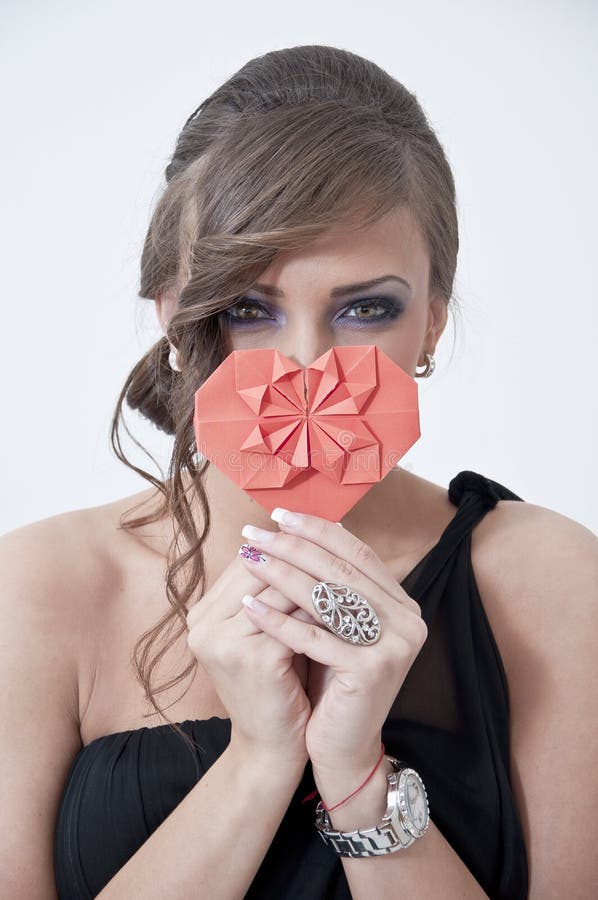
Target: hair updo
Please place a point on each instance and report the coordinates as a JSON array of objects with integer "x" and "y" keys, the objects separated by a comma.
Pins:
[{"x": 296, "y": 142}]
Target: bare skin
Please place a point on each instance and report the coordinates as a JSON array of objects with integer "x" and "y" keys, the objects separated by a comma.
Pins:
[
  {"x": 78, "y": 593},
  {"x": 132, "y": 598},
  {"x": 401, "y": 517}
]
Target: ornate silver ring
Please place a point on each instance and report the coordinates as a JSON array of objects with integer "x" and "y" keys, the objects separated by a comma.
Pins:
[{"x": 346, "y": 613}]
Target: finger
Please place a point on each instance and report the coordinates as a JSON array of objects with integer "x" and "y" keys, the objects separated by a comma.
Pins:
[
  {"x": 223, "y": 599},
  {"x": 399, "y": 618},
  {"x": 297, "y": 613},
  {"x": 302, "y": 637},
  {"x": 319, "y": 546},
  {"x": 275, "y": 599},
  {"x": 298, "y": 586},
  {"x": 300, "y": 614}
]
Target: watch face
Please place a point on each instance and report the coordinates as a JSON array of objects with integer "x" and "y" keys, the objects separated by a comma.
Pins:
[{"x": 415, "y": 803}]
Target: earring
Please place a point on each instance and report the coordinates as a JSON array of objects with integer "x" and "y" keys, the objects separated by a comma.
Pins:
[
  {"x": 172, "y": 359},
  {"x": 430, "y": 366}
]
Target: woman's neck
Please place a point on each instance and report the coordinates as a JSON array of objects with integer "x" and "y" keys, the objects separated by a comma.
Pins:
[{"x": 382, "y": 508}]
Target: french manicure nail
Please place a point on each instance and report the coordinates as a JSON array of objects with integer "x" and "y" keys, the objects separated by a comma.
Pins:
[
  {"x": 257, "y": 534},
  {"x": 253, "y": 603},
  {"x": 284, "y": 516}
]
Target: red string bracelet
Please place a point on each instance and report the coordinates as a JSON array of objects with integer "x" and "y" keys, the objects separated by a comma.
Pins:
[{"x": 356, "y": 791}]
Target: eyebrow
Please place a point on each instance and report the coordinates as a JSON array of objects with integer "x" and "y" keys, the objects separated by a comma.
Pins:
[{"x": 339, "y": 291}]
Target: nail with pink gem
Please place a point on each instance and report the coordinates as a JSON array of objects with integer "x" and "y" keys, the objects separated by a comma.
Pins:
[{"x": 252, "y": 553}]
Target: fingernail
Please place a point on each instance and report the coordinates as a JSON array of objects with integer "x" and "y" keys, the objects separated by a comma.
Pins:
[
  {"x": 252, "y": 553},
  {"x": 253, "y": 603},
  {"x": 257, "y": 534},
  {"x": 284, "y": 516}
]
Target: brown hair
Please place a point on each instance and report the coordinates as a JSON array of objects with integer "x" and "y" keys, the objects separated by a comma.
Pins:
[{"x": 294, "y": 143}]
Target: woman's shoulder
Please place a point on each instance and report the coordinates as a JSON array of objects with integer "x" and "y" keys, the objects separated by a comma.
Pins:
[
  {"x": 75, "y": 560},
  {"x": 515, "y": 534},
  {"x": 527, "y": 534},
  {"x": 531, "y": 565},
  {"x": 55, "y": 549},
  {"x": 72, "y": 575},
  {"x": 537, "y": 574},
  {"x": 50, "y": 571}
]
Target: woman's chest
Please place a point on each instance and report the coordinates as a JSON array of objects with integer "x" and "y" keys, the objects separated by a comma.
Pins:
[
  {"x": 113, "y": 694},
  {"x": 132, "y": 653},
  {"x": 127, "y": 634}
]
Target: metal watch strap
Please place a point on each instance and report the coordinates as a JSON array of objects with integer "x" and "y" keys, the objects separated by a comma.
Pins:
[{"x": 388, "y": 836}]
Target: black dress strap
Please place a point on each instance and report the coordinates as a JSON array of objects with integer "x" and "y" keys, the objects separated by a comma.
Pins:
[
  {"x": 489, "y": 491},
  {"x": 450, "y": 719},
  {"x": 474, "y": 495}
]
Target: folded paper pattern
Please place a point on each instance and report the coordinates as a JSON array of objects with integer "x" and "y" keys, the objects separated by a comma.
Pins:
[{"x": 312, "y": 439}]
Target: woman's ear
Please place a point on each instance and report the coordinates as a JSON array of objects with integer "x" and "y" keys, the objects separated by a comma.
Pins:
[
  {"x": 437, "y": 319},
  {"x": 165, "y": 304}
]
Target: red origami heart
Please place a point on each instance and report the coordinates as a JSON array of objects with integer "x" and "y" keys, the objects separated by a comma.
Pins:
[{"x": 314, "y": 440}]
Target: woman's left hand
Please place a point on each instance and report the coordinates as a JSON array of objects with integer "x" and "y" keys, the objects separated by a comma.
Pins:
[{"x": 351, "y": 687}]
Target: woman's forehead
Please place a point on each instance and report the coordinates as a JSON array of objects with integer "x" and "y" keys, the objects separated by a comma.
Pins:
[{"x": 393, "y": 245}]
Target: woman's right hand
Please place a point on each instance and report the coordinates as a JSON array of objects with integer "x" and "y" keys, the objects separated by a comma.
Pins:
[{"x": 260, "y": 682}]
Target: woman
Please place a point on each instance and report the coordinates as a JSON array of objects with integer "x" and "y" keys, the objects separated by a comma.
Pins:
[{"x": 311, "y": 169}]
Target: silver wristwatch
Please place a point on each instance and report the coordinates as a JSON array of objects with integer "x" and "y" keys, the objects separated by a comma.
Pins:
[{"x": 406, "y": 818}]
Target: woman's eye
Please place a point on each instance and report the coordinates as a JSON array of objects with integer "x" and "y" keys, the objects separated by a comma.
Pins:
[
  {"x": 375, "y": 309},
  {"x": 368, "y": 307},
  {"x": 251, "y": 305}
]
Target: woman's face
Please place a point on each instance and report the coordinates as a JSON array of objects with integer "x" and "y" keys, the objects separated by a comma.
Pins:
[{"x": 302, "y": 305}]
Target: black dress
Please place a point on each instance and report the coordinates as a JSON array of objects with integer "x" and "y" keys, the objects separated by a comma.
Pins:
[{"x": 450, "y": 722}]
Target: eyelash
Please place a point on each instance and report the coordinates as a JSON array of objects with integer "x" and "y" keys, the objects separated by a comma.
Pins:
[{"x": 391, "y": 307}]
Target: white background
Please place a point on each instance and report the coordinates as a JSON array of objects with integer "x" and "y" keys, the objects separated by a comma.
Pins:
[{"x": 94, "y": 95}]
